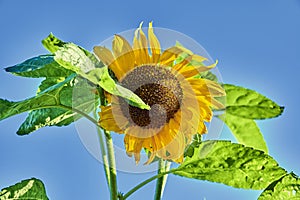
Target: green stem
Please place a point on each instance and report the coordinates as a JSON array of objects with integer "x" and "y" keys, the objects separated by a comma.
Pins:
[
  {"x": 110, "y": 150},
  {"x": 112, "y": 167},
  {"x": 163, "y": 166},
  {"x": 165, "y": 177},
  {"x": 103, "y": 152},
  {"x": 130, "y": 192}
]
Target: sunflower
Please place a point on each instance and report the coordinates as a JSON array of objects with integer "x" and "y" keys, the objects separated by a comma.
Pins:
[{"x": 168, "y": 81}]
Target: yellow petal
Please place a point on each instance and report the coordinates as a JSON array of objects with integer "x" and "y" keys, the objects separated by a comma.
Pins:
[
  {"x": 216, "y": 104},
  {"x": 190, "y": 71},
  {"x": 169, "y": 55},
  {"x": 205, "y": 87},
  {"x": 108, "y": 59},
  {"x": 140, "y": 46},
  {"x": 107, "y": 120},
  {"x": 154, "y": 44},
  {"x": 214, "y": 88},
  {"x": 179, "y": 66},
  {"x": 123, "y": 53},
  {"x": 201, "y": 128},
  {"x": 198, "y": 58},
  {"x": 133, "y": 145}
]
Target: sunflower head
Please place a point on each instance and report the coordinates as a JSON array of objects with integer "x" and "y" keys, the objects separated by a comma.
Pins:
[{"x": 168, "y": 81}]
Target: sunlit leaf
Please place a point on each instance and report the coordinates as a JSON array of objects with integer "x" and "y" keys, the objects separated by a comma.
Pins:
[
  {"x": 231, "y": 164},
  {"x": 249, "y": 104},
  {"x": 245, "y": 131},
  {"x": 52, "y": 44},
  {"x": 287, "y": 187},
  {"x": 26, "y": 189}
]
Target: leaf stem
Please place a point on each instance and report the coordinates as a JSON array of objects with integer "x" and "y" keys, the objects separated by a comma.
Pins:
[{"x": 130, "y": 192}]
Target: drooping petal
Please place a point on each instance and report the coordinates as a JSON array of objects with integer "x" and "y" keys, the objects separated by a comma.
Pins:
[
  {"x": 107, "y": 120},
  {"x": 133, "y": 145},
  {"x": 154, "y": 44}
]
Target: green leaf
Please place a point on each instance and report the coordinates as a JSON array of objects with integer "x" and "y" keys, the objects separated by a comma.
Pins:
[
  {"x": 287, "y": 187},
  {"x": 231, "y": 164},
  {"x": 26, "y": 189},
  {"x": 245, "y": 131},
  {"x": 72, "y": 95},
  {"x": 73, "y": 58},
  {"x": 208, "y": 75},
  {"x": 53, "y": 105},
  {"x": 53, "y": 44},
  {"x": 190, "y": 149},
  {"x": 40, "y": 66},
  {"x": 249, "y": 104}
]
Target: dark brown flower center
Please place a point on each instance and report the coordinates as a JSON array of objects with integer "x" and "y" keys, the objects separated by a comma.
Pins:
[{"x": 156, "y": 86}]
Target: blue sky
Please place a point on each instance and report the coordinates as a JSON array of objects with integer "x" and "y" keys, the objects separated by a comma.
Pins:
[{"x": 256, "y": 42}]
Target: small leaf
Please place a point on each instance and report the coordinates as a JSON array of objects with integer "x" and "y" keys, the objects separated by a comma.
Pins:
[
  {"x": 40, "y": 66},
  {"x": 287, "y": 187},
  {"x": 231, "y": 164},
  {"x": 26, "y": 189},
  {"x": 245, "y": 131},
  {"x": 249, "y": 104}
]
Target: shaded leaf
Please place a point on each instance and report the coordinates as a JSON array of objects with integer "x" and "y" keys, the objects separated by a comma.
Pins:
[
  {"x": 245, "y": 131},
  {"x": 287, "y": 187},
  {"x": 26, "y": 189},
  {"x": 40, "y": 66},
  {"x": 249, "y": 104},
  {"x": 57, "y": 103},
  {"x": 231, "y": 164},
  {"x": 76, "y": 95}
]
